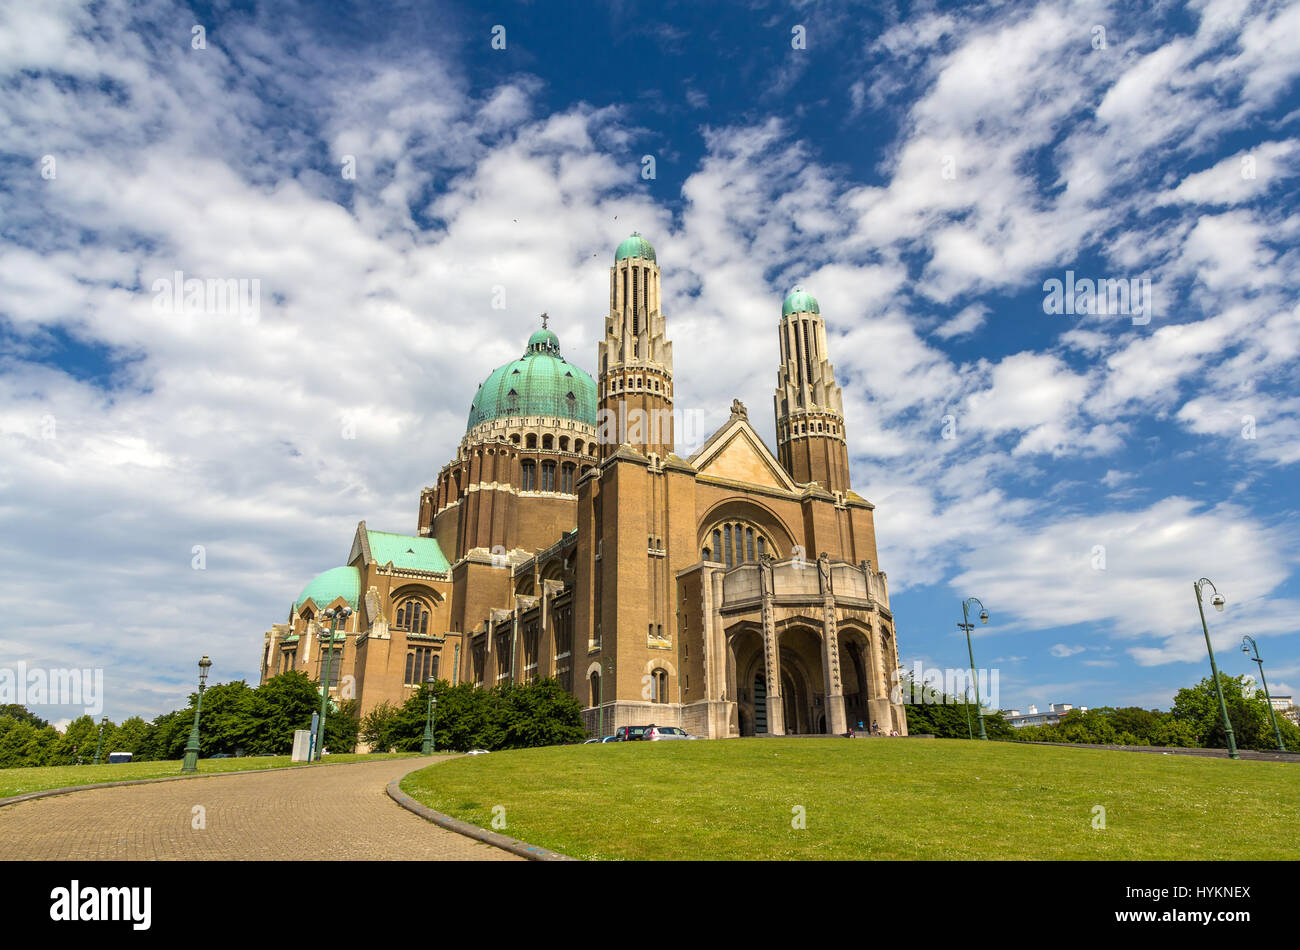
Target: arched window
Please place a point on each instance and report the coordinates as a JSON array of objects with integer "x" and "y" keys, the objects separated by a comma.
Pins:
[
  {"x": 528, "y": 475},
  {"x": 421, "y": 664},
  {"x": 564, "y": 443},
  {"x": 660, "y": 683},
  {"x": 736, "y": 543},
  {"x": 412, "y": 617},
  {"x": 566, "y": 478},
  {"x": 595, "y": 689},
  {"x": 548, "y": 442},
  {"x": 548, "y": 475},
  {"x": 531, "y": 441}
]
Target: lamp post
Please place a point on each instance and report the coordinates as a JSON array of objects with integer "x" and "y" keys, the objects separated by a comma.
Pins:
[
  {"x": 334, "y": 616},
  {"x": 968, "y": 626},
  {"x": 191, "y": 763},
  {"x": 100, "y": 744},
  {"x": 1217, "y": 602},
  {"x": 429, "y": 743},
  {"x": 1247, "y": 645},
  {"x": 969, "y": 731}
]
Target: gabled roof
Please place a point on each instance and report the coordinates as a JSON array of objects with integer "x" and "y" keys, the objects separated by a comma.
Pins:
[
  {"x": 736, "y": 453},
  {"x": 404, "y": 550}
]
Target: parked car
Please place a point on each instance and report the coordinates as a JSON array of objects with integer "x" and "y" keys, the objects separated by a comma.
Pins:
[
  {"x": 221, "y": 755},
  {"x": 590, "y": 741},
  {"x": 477, "y": 752},
  {"x": 660, "y": 733},
  {"x": 631, "y": 733},
  {"x": 612, "y": 739}
]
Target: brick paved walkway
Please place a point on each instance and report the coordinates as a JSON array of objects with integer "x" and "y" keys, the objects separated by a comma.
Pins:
[{"x": 334, "y": 812}]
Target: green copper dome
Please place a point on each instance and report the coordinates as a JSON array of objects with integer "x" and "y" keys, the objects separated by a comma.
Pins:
[
  {"x": 799, "y": 301},
  {"x": 539, "y": 383},
  {"x": 635, "y": 246},
  {"x": 337, "y": 582}
]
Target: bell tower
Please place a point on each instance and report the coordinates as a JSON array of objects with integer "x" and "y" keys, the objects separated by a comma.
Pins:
[
  {"x": 809, "y": 407},
  {"x": 635, "y": 358}
]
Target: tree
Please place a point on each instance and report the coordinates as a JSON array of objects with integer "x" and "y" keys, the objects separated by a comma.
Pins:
[
  {"x": 76, "y": 743},
  {"x": 134, "y": 736},
  {"x": 378, "y": 727},
  {"x": 945, "y": 716},
  {"x": 22, "y": 743},
  {"x": 506, "y": 717},
  {"x": 1198, "y": 708},
  {"x": 22, "y": 714}
]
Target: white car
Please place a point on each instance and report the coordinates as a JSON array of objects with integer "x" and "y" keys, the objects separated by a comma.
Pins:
[
  {"x": 477, "y": 752},
  {"x": 662, "y": 733}
]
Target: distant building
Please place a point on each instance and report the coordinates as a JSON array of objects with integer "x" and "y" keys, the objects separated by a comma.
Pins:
[
  {"x": 1033, "y": 717},
  {"x": 1287, "y": 708}
]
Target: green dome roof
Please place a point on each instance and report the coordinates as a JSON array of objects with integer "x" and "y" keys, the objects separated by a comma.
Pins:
[
  {"x": 337, "y": 582},
  {"x": 799, "y": 301},
  {"x": 635, "y": 246},
  {"x": 539, "y": 383}
]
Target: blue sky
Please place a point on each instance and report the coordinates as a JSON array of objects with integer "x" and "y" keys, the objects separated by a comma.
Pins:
[{"x": 922, "y": 170}]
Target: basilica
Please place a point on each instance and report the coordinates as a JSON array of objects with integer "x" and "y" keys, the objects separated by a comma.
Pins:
[{"x": 732, "y": 593}]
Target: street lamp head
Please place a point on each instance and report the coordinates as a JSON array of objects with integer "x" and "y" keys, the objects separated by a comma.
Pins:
[
  {"x": 204, "y": 665},
  {"x": 984, "y": 616},
  {"x": 1217, "y": 601}
]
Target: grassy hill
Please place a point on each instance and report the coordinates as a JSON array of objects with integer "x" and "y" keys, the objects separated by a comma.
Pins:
[{"x": 871, "y": 799}]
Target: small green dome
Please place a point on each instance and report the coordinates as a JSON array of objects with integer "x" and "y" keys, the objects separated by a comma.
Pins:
[
  {"x": 799, "y": 301},
  {"x": 539, "y": 383},
  {"x": 544, "y": 340},
  {"x": 337, "y": 582},
  {"x": 635, "y": 246}
]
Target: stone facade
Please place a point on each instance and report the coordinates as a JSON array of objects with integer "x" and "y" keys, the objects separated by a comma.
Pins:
[{"x": 734, "y": 592}]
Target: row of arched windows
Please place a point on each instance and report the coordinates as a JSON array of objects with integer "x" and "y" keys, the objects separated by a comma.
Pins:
[
  {"x": 567, "y": 477},
  {"x": 813, "y": 428},
  {"x": 634, "y": 385},
  {"x": 549, "y": 442}
]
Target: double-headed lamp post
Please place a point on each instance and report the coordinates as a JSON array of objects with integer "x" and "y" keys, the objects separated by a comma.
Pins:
[
  {"x": 1217, "y": 602},
  {"x": 429, "y": 743},
  {"x": 191, "y": 763},
  {"x": 1247, "y": 645},
  {"x": 968, "y": 626},
  {"x": 334, "y": 615},
  {"x": 100, "y": 744}
]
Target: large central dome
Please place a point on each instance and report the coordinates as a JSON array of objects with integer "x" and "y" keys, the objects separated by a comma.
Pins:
[{"x": 539, "y": 383}]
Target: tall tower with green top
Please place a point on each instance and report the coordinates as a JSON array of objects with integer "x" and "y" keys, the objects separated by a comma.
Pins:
[
  {"x": 635, "y": 357},
  {"x": 809, "y": 407}
]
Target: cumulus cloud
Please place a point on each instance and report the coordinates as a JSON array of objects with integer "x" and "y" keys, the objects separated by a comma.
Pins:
[{"x": 1017, "y": 150}]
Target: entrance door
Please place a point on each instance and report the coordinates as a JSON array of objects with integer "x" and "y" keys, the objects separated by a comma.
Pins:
[{"x": 760, "y": 705}]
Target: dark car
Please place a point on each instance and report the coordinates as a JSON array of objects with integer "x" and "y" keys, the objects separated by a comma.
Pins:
[{"x": 632, "y": 733}]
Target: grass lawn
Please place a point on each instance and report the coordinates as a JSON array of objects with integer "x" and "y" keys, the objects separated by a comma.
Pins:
[
  {"x": 872, "y": 799},
  {"x": 21, "y": 781}
]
